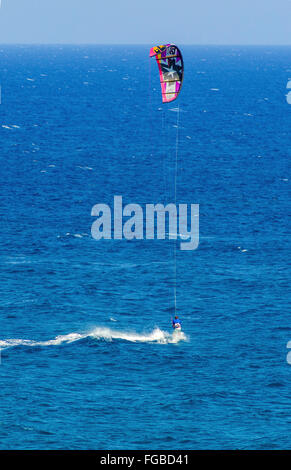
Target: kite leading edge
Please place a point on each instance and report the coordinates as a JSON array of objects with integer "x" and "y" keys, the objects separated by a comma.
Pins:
[{"x": 171, "y": 67}]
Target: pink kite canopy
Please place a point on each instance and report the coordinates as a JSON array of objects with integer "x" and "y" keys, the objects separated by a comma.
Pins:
[{"x": 171, "y": 67}]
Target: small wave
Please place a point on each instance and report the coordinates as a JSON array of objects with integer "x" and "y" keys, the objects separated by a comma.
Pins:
[
  {"x": 75, "y": 235},
  {"x": 242, "y": 250},
  {"x": 102, "y": 333}
]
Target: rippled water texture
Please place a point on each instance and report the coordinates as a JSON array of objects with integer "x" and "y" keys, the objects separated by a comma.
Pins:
[{"x": 88, "y": 357}]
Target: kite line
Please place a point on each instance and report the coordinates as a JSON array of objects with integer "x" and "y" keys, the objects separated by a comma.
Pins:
[{"x": 171, "y": 69}]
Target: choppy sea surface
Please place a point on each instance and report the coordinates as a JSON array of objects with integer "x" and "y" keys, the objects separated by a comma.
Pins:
[{"x": 88, "y": 358}]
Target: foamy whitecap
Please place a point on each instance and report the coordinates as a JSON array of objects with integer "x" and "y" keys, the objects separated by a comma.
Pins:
[{"x": 156, "y": 336}]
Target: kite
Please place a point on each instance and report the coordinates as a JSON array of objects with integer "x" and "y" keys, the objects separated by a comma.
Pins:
[{"x": 171, "y": 67}]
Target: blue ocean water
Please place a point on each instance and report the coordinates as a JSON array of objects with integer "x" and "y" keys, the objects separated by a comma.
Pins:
[{"x": 88, "y": 360}]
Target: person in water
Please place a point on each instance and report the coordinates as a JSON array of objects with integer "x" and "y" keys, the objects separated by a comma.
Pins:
[{"x": 176, "y": 322}]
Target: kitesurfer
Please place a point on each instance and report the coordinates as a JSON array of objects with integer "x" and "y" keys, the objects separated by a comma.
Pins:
[{"x": 176, "y": 322}]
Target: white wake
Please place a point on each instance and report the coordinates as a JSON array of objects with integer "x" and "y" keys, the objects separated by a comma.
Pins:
[{"x": 103, "y": 333}]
